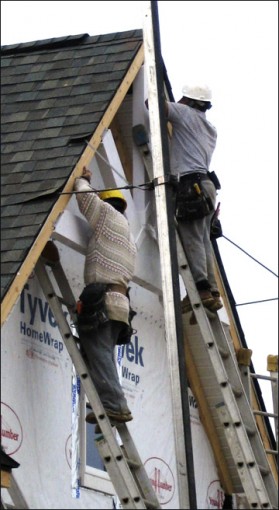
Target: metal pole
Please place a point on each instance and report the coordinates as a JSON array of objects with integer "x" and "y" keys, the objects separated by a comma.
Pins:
[{"x": 168, "y": 259}]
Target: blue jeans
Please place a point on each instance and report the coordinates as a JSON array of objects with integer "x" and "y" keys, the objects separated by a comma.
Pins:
[{"x": 97, "y": 348}]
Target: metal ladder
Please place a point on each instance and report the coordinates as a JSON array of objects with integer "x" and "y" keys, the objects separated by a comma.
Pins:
[
  {"x": 122, "y": 463},
  {"x": 218, "y": 371},
  {"x": 216, "y": 364},
  {"x": 17, "y": 498}
]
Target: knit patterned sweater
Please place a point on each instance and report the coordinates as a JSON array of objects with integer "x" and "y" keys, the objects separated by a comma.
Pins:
[{"x": 111, "y": 251}]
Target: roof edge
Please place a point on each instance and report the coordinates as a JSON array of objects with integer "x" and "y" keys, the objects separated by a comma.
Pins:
[
  {"x": 28, "y": 265},
  {"x": 66, "y": 41}
]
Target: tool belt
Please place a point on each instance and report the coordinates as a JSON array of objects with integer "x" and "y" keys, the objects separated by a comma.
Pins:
[
  {"x": 127, "y": 330},
  {"x": 213, "y": 177},
  {"x": 91, "y": 310},
  {"x": 192, "y": 202}
]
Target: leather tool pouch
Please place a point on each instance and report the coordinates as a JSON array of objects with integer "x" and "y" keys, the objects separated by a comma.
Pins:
[
  {"x": 127, "y": 331},
  {"x": 213, "y": 177},
  {"x": 91, "y": 311},
  {"x": 190, "y": 204}
]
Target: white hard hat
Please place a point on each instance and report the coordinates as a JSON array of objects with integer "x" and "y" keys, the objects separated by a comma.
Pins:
[{"x": 198, "y": 92}]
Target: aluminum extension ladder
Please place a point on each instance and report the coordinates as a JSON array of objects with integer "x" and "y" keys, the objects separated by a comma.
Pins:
[
  {"x": 122, "y": 463},
  {"x": 218, "y": 371},
  {"x": 17, "y": 498},
  {"x": 217, "y": 367}
]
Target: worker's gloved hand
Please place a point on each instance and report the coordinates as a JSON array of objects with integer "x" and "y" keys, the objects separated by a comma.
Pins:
[{"x": 86, "y": 174}]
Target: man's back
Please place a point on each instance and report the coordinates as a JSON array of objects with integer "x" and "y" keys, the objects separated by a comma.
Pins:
[{"x": 193, "y": 139}]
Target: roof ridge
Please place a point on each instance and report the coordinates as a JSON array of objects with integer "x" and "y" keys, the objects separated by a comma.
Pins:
[
  {"x": 67, "y": 41},
  {"x": 54, "y": 42}
]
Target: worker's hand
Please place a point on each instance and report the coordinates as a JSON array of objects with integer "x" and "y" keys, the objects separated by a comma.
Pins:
[{"x": 86, "y": 174}]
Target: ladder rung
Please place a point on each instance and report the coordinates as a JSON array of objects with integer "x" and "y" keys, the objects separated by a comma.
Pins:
[
  {"x": 133, "y": 464},
  {"x": 271, "y": 452},
  {"x": 264, "y": 413},
  {"x": 224, "y": 353},
  {"x": 265, "y": 377},
  {"x": 70, "y": 306},
  {"x": 237, "y": 391},
  {"x": 250, "y": 431},
  {"x": 264, "y": 471},
  {"x": 149, "y": 504}
]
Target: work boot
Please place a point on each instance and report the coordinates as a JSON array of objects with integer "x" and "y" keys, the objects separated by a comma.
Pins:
[
  {"x": 112, "y": 415},
  {"x": 206, "y": 298},
  {"x": 217, "y": 301}
]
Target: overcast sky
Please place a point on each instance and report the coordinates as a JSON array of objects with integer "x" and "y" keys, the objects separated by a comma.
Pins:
[{"x": 232, "y": 46}]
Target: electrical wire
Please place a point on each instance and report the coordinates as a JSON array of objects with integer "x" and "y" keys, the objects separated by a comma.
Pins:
[
  {"x": 149, "y": 186},
  {"x": 255, "y": 302},
  {"x": 250, "y": 256}
]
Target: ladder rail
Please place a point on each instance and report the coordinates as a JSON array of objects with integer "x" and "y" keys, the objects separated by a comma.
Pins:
[
  {"x": 18, "y": 500},
  {"x": 246, "y": 412},
  {"x": 223, "y": 361},
  {"x": 231, "y": 414},
  {"x": 130, "y": 493}
]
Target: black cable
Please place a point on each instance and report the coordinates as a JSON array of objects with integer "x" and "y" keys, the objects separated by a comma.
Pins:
[
  {"x": 250, "y": 256},
  {"x": 149, "y": 187},
  {"x": 254, "y": 302}
]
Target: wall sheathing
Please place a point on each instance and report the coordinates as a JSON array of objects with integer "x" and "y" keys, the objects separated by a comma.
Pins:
[{"x": 36, "y": 378}]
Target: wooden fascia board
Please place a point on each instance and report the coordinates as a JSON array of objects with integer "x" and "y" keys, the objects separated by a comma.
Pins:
[
  {"x": 30, "y": 261},
  {"x": 5, "y": 478}
]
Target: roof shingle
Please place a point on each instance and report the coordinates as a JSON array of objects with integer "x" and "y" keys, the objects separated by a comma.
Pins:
[{"x": 53, "y": 91}]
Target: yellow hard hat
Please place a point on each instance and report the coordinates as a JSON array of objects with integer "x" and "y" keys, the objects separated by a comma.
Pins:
[{"x": 112, "y": 193}]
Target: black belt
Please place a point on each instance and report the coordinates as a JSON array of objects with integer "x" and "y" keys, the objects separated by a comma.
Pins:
[{"x": 194, "y": 176}]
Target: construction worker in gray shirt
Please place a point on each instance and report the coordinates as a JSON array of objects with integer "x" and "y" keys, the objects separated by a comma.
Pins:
[{"x": 193, "y": 142}]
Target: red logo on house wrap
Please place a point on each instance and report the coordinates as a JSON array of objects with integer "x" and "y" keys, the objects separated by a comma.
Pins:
[
  {"x": 11, "y": 430},
  {"x": 215, "y": 495},
  {"x": 161, "y": 478},
  {"x": 68, "y": 450}
]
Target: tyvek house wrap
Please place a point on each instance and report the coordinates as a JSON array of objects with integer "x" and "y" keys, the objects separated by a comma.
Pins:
[{"x": 36, "y": 416}]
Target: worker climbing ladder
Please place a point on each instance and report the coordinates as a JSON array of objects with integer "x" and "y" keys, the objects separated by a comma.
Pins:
[
  {"x": 220, "y": 377},
  {"x": 122, "y": 462},
  {"x": 210, "y": 348}
]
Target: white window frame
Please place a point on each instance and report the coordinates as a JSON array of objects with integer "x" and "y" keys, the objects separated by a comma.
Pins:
[{"x": 90, "y": 477}]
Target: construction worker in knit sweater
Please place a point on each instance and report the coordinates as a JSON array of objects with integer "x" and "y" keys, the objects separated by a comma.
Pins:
[
  {"x": 193, "y": 142},
  {"x": 104, "y": 315}
]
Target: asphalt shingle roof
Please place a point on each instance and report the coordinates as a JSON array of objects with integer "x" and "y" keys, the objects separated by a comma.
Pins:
[{"x": 54, "y": 93}]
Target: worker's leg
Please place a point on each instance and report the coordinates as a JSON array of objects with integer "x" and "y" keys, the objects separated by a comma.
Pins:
[
  {"x": 210, "y": 259},
  {"x": 192, "y": 237},
  {"x": 99, "y": 351},
  {"x": 211, "y": 192}
]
